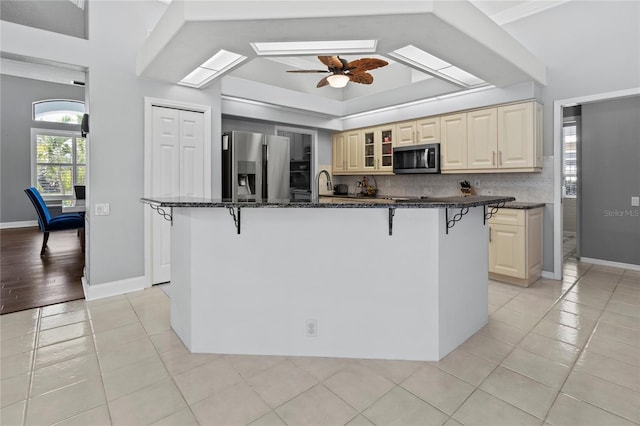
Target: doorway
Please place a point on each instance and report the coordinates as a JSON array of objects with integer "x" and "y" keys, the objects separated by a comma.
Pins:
[
  {"x": 177, "y": 163},
  {"x": 302, "y": 161},
  {"x": 571, "y": 131},
  {"x": 558, "y": 108}
]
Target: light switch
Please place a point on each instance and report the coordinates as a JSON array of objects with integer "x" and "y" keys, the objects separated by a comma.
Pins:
[
  {"x": 102, "y": 209},
  {"x": 635, "y": 201}
]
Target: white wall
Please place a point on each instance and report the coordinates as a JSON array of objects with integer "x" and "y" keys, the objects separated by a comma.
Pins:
[
  {"x": 589, "y": 47},
  {"x": 116, "y": 106}
]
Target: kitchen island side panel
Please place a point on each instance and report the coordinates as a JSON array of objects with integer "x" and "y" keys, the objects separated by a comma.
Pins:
[
  {"x": 463, "y": 265},
  {"x": 370, "y": 295}
]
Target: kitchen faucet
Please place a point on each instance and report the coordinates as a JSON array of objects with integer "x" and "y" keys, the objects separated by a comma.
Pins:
[{"x": 329, "y": 184}]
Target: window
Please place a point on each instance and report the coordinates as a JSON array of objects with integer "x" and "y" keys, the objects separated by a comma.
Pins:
[
  {"x": 58, "y": 111},
  {"x": 59, "y": 162},
  {"x": 570, "y": 163}
]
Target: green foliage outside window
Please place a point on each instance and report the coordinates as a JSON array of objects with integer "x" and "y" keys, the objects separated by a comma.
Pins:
[{"x": 60, "y": 163}]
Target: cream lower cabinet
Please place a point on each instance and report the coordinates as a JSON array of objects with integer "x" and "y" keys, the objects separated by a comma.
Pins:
[{"x": 515, "y": 245}]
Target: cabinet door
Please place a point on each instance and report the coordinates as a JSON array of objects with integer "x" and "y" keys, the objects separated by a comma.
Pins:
[
  {"x": 353, "y": 141},
  {"x": 507, "y": 250},
  {"x": 384, "y": 161},
  {"x": 406, "y": 133},
  {"x": 338, "y": 163},
  {"x": 482, "y": 138},
  {"x": 428, "y": 130},
  {"x": 516, "y": 136},
  {"x": 370, "y": 142},
  {"x": 453, "y": 147},
  {"x": 534, "y": 237}
]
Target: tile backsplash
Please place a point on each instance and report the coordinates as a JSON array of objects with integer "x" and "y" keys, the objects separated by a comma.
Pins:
[{"x": 526, "y": 187}]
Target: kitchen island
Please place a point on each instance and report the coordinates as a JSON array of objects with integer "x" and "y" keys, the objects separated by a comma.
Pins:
[{"x": 385, "y": 278}]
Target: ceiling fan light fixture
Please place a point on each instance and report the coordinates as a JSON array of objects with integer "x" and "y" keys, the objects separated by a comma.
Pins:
[{"x": 338, "y": 80}]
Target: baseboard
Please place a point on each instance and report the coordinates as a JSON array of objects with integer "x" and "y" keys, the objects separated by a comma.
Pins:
[
  {"x": 601, "y": 262},
  {"x": 23, "y": 224},
  {"x": 548, "y": 275},
  {"x": 114, "y": 288}
]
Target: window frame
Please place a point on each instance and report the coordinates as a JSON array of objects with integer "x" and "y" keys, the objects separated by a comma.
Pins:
[
  {"x": 74, "y": 134},
  {"x": 570, "y": 122},
  {"x": 52, "y": 101}
]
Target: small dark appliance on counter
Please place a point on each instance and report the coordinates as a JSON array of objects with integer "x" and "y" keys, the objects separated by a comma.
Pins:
[{"x": 340, "y": 189}]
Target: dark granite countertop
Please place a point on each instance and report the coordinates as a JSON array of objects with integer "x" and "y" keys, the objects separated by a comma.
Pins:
[
  {"x": 335, "y": 202},
  {"x": 520, "y": 205}
]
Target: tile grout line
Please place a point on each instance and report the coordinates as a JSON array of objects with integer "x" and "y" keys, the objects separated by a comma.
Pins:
[
  {"x": 573, "y": 365},
  {"x": 561, "y": 297},
  {"x": 32, "y": 368}
]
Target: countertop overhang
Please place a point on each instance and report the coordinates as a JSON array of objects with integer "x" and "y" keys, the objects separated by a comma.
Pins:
[{"x": 334, "y": 202}]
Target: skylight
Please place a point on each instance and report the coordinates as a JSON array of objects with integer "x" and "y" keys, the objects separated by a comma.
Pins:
[
  {"x": 331, "y": 47},
  {"x": 213, "y": 67},
  {"x": 435, "y": 66}
]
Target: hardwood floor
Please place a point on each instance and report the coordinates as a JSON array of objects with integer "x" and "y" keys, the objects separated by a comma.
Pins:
[{"x": 29, "y": 280}]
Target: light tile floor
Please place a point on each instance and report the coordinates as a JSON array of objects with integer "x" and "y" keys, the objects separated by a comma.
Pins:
[{"x": 556, "y": 353}]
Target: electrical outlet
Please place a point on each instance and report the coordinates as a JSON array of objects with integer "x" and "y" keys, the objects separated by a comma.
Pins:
[
  {"x": 635, "y": 201},
  {"x": 387, "y": 183},
  {"x": 311, "y": 329},
  {"x": 102, "y": 209},
  {"x": 426, "y": 191},
  {"x": 476, "y": 183}
]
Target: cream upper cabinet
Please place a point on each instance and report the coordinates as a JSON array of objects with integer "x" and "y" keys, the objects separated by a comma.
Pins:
[
  {"x": 453, "y": 148},
  {"x": 406, "y": 133},
  {"x": 482, "y": 138},
  {"x": 506, "y": 138},
  {"x": 519, "y": 136},
  {"x": 428, "y": 130},
  {"x": 347, "y": 152},
  {"x": 515, "y": 245},
  {"x": 353, "y": 153},
  {"x": 377, "y": 150},
  {"x": 416, "y": 132},
  {"x": 370, "y": 141},
  {"x": 387, "y": 135},
  {"x": 338, "y": 161}
]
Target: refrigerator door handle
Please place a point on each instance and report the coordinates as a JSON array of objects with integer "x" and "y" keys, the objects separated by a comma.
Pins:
[{"x": 265, "y": 168}]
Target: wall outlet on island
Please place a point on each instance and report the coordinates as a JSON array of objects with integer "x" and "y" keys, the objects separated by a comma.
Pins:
[{"x": 311, "y": 329}]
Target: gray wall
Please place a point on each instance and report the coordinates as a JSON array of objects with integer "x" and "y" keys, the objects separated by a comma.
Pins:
[
  {"x": 15, "y": 141},
  {"x": 610, "y": 160},
  {"x": 589, "y": 47},
  {"x": 59, "y": 16}
]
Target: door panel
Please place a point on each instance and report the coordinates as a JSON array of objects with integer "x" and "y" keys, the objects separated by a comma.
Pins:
[{"x": 177, "y": 170}]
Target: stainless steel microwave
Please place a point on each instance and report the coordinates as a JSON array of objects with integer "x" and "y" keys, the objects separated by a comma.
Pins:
[{"x": 417, "y": 159}]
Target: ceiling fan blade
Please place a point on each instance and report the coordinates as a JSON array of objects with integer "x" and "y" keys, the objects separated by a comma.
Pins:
[
  {"x": 323, "y": 82},
  {"x": 361, "y": 77},
  {"x": 331, "y": 61},
  {"x": 365, "y": 64},
  {"x": 309, "y": 71}
]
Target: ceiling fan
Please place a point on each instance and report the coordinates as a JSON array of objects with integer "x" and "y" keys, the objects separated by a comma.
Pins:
[{"x": 343, "y": 71}]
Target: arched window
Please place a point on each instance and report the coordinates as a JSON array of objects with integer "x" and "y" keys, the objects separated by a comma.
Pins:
[{"x": 58, "y": 111}]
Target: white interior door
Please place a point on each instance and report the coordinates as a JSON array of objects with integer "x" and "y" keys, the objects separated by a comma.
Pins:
[{"x": 178, "y": 163}]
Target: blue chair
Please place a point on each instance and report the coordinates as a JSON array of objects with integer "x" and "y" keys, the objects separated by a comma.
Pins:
[{"x": 49, "y": 224}]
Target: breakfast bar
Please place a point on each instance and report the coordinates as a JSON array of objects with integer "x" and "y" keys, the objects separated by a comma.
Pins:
[{"x": 372, "y": 278}]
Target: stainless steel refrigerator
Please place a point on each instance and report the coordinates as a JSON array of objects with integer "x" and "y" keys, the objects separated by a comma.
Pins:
[{"x": 255, "y": 167}]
